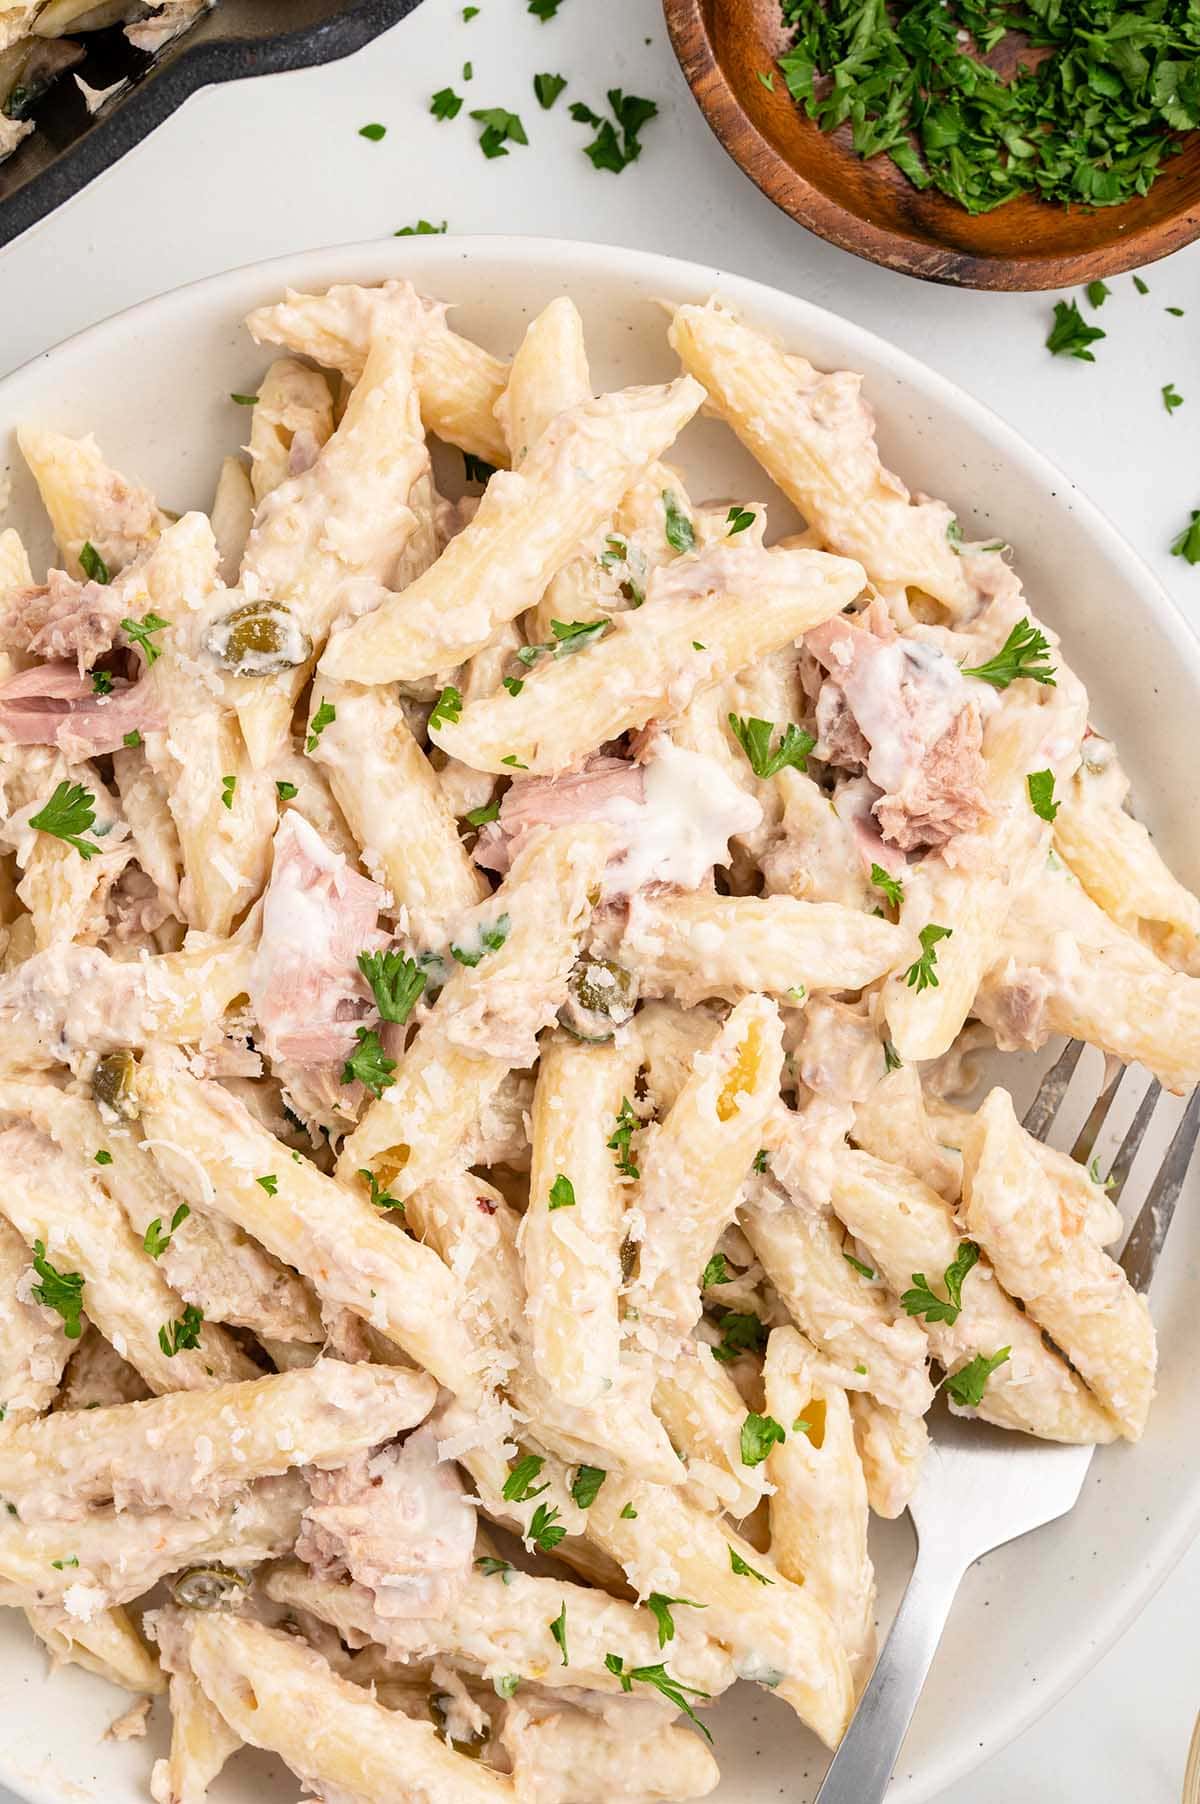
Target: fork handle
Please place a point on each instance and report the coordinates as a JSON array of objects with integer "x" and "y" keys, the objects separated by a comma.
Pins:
[{"x": 862, "y": 1766}]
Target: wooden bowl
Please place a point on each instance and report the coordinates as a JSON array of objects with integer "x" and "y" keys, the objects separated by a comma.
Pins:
[{"x": 870, "y": 208}]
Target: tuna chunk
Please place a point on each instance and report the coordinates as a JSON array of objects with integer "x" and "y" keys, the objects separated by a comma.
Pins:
[
  {"x": 398, "y": 1522},
  {"x": 51, "y": 704},
  {"x": 62, "y": 618}
]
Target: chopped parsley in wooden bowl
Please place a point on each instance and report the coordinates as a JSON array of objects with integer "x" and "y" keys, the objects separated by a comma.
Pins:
[{"x": 1023, "y": 145}]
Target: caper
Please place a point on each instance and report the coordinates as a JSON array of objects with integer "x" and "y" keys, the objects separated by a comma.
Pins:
[
  {"x": 259, "y": 638},
  {"x": 212, "y": 1587},
  {"x": 601, "y": 997},
  {"x": 113, "y": 1081},
  {"x": 440, "y": 1706},
  {"x": 629, "y": 1258}
]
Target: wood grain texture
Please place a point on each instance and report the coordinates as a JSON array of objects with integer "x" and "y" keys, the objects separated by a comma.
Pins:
[{"x": 870, "y": 208}]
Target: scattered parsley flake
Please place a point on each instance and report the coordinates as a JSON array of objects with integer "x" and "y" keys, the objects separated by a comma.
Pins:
[
  {"x": 181, "y": 1336},
  {"x": 629, "y": 1514},
  {"x": 139, "y": 632},
  {"x": 864, "y": 1271},
  {"x": 740, "y": 1333},
  {"x": 369, "y": 1064},
  {"x": 1094, "y": 1174},
  {"x": 446, "y": 709},
  {"x": 547, "y": 88},
  {"x": 511, "y": 758},
  {"x": 1171, "y": 399},
  {"x": 544, "y": 1532},
  {"x": 103, "y": 1157},
  {"x": 754, "y": 737},
  {"x": 270, "y": 1183},
  {"x": 155, "y": 1241},
  {"x": 761, "y": 1159},
  {"x": 921, "y": 975},
  {"x": 396, "y": 983},
  {"x": 60, "y": 1291},
  {"x": 608, "y": 150},
  {"x": 891, "y": 1057},
  {"x": 967, "y": 1385},
  {"x": 491, "y": 938},
  {"x": 446, "y": 104},
  {"x": 1140, "y": 285},
  {"x": 500, "y": 129},
  {"x": 1177, "y": 311},
  {"x": 468, "y": 71},
  {"x": 518, "y": 1486},
  {"x": 71, "y": 1560},
  {"x": 373, "y": 132},
  {"x": 585, "y": 1486},
  {"x": 1025, "y": 653},
  {"x": 244, "y": 400},
  {"x": 767, "y": 78},
  {"x": 228, "y": 788},
  {"x": 658, "y": 1676},
  {"x": 891, "y": 887},
  {"x": 324, "y": 717},
  {"x": 543, "y": 9},
  {"x": 1187, "y": 545},
  {"x": 479, "y": 817},
  {"x": 1040, "y": 784},
  {"x": 696, "y": 646},
  {"x": 491, "y": 1567},
  {"x": 1098, "y": 293},
  {"x": 800, "y": 1426},
  {"x": 424, "y": 228},
  {"x": 743, "y": 1570},
  {"x": 92, "y": 564},
  {"x": 738, "y": 519},
  {"x": 659, "y": 1606},
  {"x": 286, "y": 791},
  {"x": 505, "y": 1684},
  {"x": 67, "y": 815},
  {"x": 102, "y": 683},
  {"x": 618, "y": 1141},
  {"x": 759, "y": 1435},
  {"x": 562, "y": 1193},
  {"x": 922, "y": 1300},
  {"x": 1070, "y": 335},
  {"x": 715, "y": 1272},
  {"x": 132, "y": 740},
  {"x": 469, "y": 13},
  {"x": 680, "y": 533},
  {"x": 379, "y": 1197}
]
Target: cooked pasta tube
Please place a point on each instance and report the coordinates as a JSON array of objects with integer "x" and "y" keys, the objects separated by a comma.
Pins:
[
  {"x": 892, "y": 1444},
  {"x": 107, "y": 1645},
  {"x": 549, "y": 374},
  {"x": 33, "y": 1348},
  {"x": 88, "y": 501}
]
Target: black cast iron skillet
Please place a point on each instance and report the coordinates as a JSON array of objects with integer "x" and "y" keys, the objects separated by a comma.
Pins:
[{"x": 238, "y": 37}]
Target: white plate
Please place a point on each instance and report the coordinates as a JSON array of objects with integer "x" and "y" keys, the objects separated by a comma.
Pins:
[{"x": 154, "y": 384}]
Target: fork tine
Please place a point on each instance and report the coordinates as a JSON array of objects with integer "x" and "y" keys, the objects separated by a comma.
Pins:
[
  {"x": 1150, "y": 1229},
  {"x": 1039, "y": 1116},
  {"x": 1127, "y": 1152},
  {"x": 1089, "y": 1133}
]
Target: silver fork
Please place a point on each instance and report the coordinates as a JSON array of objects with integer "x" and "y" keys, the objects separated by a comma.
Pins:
[{"x": 981, "y": 1487}]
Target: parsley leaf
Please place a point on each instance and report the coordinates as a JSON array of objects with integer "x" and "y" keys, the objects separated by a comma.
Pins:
[
  {"x": 743, "y": 1570},
  {"x": 102, "y": 683},
  {"x": 891, "y": 886},
  {"x": 155, "y": 1241},
  {"x": 1098, "y": 293},
  {"x": 737, "y": 520},
  {"x": 103, "y": 1157},
  {"x": 396, "y": 983},
  {"x": 629, "y": 1514},
  {"x": 659, "y": 1606},
  {"x": 658, "y": 1676},
  {"x": 518, "y": 1486},
  {"x": 558, "y": 1628},
  {"x": 585, "y": 1486},
  {"x": 864, "y": 1271},
  {"x": 921, "y": 975},
  {"x": 424, "y": 228},
  {"x": 61, "y": 1291},
  {"x": 446, "y": 709},
  {"x": 754, "y": 737},
  {"x": 891, "y": 1058},
  {"x": 324, "y": 717},
  {"x": 500, "y": 128},
  {"x": 373, "y": 132},
  {"x": 132, "y": 740},
  {"x": 1040, "y": 784},
  {"x": 739, "y": 1334},
  {"x": 681, "y": 534},
  {"x": 967, "y": 1385},
  {"x": 548, "y": 87},
  {"x": 759, "y": 1435},
  {"x": 270, "y": 1183},
  {"x": 1140, "y": 285},
  {"x": 228, "y": 787},
  {"x": 619, "y": 1141},
  {"x": 478, "y": 817},
  {"x": 505, "y": 1684},
  {"x": 543, "y": 9},
  {"x": 715, "y": 1272},
  {"x": 369, "y": 1064},
  {"x": 1171, "y": 399},
  {"x": 139, "y": 632},
  {"x": 1070, "y": 334},
  {"x": 446, "y": 104},
  {"x": 921, "y": 1300},
  {"x": 1025, "y": 653},
  {"x": 1187, "y": 545},
  {"x": 244, "y": 400},
  {"x": 494, "y": 1568},
  {"x": 67, "y": 815},
  {"x": 92, "y": 564},
  {"x": 544, "y": 1532},
  {"x": 608, "y": 151},
  {"x": 562, "y": 1193},
  {"x": 286, "y": 791},
  {"x": 761, "y": 1159},
  {"x": 491, "y": 938},
  {"x": 181, "y": 1336},
  {"x": 379, "y": 1197}
]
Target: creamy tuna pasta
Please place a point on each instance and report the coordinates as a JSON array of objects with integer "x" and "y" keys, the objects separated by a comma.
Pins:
[{"x": 485, "y": 1212}]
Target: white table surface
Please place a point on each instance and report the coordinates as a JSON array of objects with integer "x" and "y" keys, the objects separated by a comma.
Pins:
[{"x": 261, "y": 168}]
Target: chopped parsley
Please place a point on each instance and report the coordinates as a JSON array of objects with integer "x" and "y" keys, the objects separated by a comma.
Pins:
[
  {"x": 71, "y": 1560},
  {"x": 446, "y": 104},
  {"x": 155, "y": 1241},
  {"x": 60, "y": 1291},
  {"x": 1098, "y": 293},
  {"x": 514, "y": 685},
  {"x": 379, "y": 1197},
  {"x": 743, "y": 1570},
  {"x": 373, "y": 132},
  {"x": 500, "y": 129},
  {"x": 468, "y": 71},
  {"x": 491, "y": 938},
  {"x": 754, "y": 737},
  {"x": 1070, "y": 335},
  {"x": 1141, "y": 286},
  {"x": 518, "y": 1486},
  {"x": 396, "y": 983},
  {"x": 767, "y": 78},
  {"x": 864, "y": 1271},
  {"x": 1025, "y": 653},
  {"x": 324, "y": 717},
  {"x": 891, "y": 1058},
  {"x": 761, "y": 1159},
  {"x": 585, "y": 1486},
  {"x": 511, "y": 758},
  {"x": 659, "y": 1607},
  {"x": 244, "y": 400},
  {"x": 505, "y": 1684},
  {"x": 738, "y": 519},
  {"x": 740, "y": 1333},
  {"x": 922, "y": 1300},
  {"x": 1040, "y": 784},
  {"x": 891, "y": 887},
  {"x": 619, "y": 1140},
  {"x": 424, "y": 228},
  {"x": 102, "y": 683},
  {"x": 608, "y": 150},
  {"x": 562, "y": 1193},
  {"x": 558, "y": 1628},
  {"x": 628, "y": 1514},
  {"x": 228, "y": 787},
  {"x": 1187, "y": 545},
  {"x": 921, "y": 975},
  {"x": 139, "y": 632},
  {"x": 270, "y": 1183},
  {"x": 181, "y": 1336},
  {"x": 1177, "y": 311},
  {"x": 544, "y": 1532},
  {"x": 543, "y": 9},
  {"x": 967, "y": 1385},
  {"x": 479, "y": 817},
  {"x": 469, "y": 13},
  {"x": 494, "y": 1568},
  {"x": 67, "y": 815},
  {"x": 103, "y": 1157},
  {"x": 715, "y": 1272},
  {"x": 680, "y": 533},
  {"x": 132, "y": 740},
  {"x": 286, "y": 791},
  {"x": 658, "y": 1676},
  {"x": 547, "y": 88},
  {"x": 92, "y": 564},
  {"x": 1171, "y": 399},
  {"x": 759, "y": 1435},
  {"x": 369, "y": 1064},
  {"x": 477, "y": 469},
  {"x": 446, "y": 709},
  {"x": 567, "y": 636}
]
